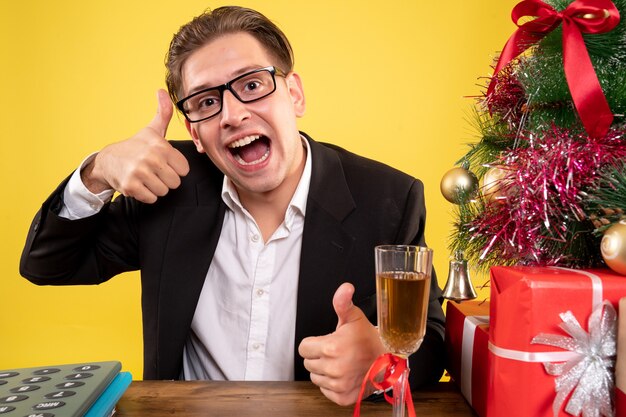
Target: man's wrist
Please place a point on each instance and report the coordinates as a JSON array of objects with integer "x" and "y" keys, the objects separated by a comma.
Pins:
[
  {"x": 94, "y": 185},
  {"x": 78, "y": 201}
]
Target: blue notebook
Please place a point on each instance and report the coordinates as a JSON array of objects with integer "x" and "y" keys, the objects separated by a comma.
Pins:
[{"x": 104, "y": 406}]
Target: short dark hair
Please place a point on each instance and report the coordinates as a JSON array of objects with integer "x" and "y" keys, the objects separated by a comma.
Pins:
[{"x": 213, "y": 24}]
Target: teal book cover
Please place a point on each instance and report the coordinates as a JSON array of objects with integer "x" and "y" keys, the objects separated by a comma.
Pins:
[{"x": 104, "y": 406}]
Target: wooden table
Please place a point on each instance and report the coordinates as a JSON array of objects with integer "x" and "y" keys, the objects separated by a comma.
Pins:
[{"x": 268, "y": 399}]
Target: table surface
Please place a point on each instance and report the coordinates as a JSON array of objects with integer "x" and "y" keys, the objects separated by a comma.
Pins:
[{"x": 268, "y": 399}]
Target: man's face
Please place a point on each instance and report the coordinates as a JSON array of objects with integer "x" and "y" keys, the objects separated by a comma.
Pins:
[{"x": 257, "y": 145}]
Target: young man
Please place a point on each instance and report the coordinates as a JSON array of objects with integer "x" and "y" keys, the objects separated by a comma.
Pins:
[{"x": 251, "y": 258}]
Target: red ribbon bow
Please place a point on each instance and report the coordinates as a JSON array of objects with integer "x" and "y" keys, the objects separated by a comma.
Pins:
[
  {"x": 393, "y": 367},
  {"x": 581, "y": 16}
]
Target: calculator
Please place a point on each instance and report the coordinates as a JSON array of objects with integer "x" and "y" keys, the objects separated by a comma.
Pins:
[{"x": 55, "y": 391}]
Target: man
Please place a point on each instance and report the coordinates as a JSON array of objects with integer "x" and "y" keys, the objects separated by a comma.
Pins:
[{"x": 251, "y": 258}]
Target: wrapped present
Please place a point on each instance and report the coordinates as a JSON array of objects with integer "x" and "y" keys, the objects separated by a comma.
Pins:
[
  {"x": 467, "y": 336},
  {"x": 552, "y": 305},
  {"x": 620, "y": 364}
]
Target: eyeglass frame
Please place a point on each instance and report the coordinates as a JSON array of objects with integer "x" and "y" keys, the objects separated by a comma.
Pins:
[{"x": 274, "y": 71}]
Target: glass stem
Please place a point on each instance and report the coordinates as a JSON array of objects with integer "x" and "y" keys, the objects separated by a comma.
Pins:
[{"x": 399, "y": 389}]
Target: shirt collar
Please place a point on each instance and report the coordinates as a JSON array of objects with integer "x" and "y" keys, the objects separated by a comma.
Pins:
[{"x": 299, "y": 198}]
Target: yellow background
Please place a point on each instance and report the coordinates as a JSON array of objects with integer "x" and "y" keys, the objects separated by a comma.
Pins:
[{"x": 389, "y": 80}]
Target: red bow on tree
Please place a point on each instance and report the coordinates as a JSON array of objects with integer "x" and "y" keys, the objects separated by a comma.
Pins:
[{"x": 581, "y": 16}]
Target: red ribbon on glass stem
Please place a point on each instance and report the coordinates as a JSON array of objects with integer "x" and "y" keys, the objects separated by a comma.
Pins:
[
  {"x": 393, "y": 367},
  {"x": 581, "y": 16}
]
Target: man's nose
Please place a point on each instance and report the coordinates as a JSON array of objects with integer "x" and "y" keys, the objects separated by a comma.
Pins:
[{"x": 233, "y": 110}]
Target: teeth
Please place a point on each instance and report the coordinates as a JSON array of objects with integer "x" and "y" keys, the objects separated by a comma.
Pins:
[
  {"x": 243, "y": 141},
  {"x": 258, "y": 161}
]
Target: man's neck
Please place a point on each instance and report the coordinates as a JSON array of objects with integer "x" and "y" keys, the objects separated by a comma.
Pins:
[{"x": 268, "y": 209}]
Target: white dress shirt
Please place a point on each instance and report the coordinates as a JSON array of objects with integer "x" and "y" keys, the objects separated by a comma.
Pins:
[{"x": 244, "y": 323}]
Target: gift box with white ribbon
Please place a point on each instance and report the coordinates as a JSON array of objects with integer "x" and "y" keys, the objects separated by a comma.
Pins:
[
  {"x": 552, "y": 341},
  {"x": 467, "y": 337}
]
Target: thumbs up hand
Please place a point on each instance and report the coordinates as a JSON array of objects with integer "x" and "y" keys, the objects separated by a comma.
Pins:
[
  {"x": 145, "y": 166},
  {"x": 339, "y": 361}
]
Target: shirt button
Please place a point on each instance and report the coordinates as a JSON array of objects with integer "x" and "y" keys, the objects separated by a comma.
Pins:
[
  {"x": 255, "y": 238},
  {"x": 260, "y": 292},
  {"x": 256, "y": 346}
]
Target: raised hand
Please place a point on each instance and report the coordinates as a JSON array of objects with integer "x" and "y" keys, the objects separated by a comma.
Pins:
[
  {"x": 144, "y": 166},
  {"x": 338, "y": 361}
]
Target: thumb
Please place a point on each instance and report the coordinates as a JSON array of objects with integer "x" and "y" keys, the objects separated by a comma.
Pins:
[
  {"x": 164, "y": 113},
  {"x": 342, "y": 302}
]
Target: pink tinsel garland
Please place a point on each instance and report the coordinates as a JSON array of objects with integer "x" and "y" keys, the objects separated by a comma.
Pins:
[{"x": 546, "y": 184}]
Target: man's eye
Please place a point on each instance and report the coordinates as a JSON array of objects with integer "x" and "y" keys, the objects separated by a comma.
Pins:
[
  {"x": 252, "y": 85},
  {"x": 207, "y": 102}
]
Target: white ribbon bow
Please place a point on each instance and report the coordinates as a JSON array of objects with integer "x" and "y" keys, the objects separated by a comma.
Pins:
[{"x": 590, "y": 373}]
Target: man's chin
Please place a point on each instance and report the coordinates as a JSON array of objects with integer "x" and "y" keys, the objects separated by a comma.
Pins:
[{"x": 255, "y": 185}]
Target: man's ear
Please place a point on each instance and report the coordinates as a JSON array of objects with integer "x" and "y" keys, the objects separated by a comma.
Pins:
[
  {"x": 296, "y": 91},
  {"x": 194, "y": 136}
]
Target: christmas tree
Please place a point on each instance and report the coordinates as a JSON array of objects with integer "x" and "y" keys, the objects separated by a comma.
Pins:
[{"x": 545, "y": 184}]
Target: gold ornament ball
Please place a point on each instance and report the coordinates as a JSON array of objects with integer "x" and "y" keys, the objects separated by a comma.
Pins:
[
  {"x": 459, "y": 185},
  {"x": 613, "y": 247},
  {"x": 493, "y": 182}
]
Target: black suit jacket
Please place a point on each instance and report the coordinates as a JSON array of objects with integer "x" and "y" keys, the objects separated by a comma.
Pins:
[{"x": 353, "y": 205}]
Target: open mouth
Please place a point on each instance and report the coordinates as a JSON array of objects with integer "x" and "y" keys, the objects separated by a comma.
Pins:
[{"x": 250, "y": 150}]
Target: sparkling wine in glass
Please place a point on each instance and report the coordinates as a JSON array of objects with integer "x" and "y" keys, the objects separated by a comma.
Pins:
[{"x": 403, "y": 274}]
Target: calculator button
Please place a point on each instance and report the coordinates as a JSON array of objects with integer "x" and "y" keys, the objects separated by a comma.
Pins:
[
  {"x": 40, "y": 415},
  {"x": 48, "y": 405},
  {"x": 24, "y": 388},
  {"x": 79, "y": 375},
  {"x": 70, "y": 384},
  {"x": 13, "y": 398},
  {"x": 60, "y": 394},
  {"x": 46, "y": 371},
  {"x": 85, "y": 368},
  {"x": 6, "y": 409},
  {"x": 8, "y": 374},
  {"x": 36, "y": 379}
]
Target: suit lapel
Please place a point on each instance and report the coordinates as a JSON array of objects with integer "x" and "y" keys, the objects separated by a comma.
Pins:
[
  {"x": 325, "y": 246},
  {"x": 192, "y": 239}
]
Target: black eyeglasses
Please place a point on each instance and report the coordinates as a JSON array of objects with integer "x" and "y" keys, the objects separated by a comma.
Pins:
[{"x": 248, "y": 87}]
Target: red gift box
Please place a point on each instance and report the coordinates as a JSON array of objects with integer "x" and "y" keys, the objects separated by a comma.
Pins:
[
  {"x": 620, "y": 403},
  {"x": 527, "y": 301},
  {"x": 467, "y": 337},
  {"x": 620, "y": 362}
]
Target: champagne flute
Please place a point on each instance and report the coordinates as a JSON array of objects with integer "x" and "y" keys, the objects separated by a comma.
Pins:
[{"x": 403, "y": 274}]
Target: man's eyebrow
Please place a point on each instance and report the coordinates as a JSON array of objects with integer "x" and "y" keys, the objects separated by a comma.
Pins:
[
  {"x": 233, "y": 75},
  {"x": 200, "y": 88}
]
